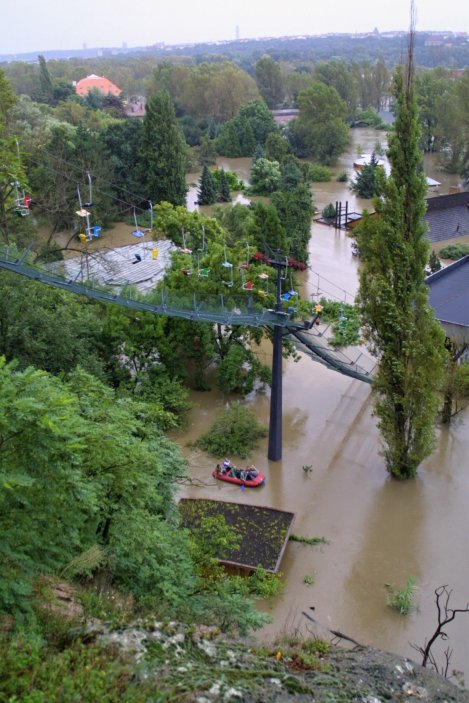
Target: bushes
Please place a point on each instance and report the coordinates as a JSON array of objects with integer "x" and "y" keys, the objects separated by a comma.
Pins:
[
  {"x": 454, "y": 251},
  {"x": 236, "y": 431},
  {"x": 319, "y": 174}
]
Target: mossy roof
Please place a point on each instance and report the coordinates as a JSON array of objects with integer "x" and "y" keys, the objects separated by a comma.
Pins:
[{"x": 264, "y": 531}]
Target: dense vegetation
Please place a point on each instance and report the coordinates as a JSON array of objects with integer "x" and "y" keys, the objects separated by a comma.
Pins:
[
  {"x": 88, "y": 478},
  {"x": 397, "y": 319}
]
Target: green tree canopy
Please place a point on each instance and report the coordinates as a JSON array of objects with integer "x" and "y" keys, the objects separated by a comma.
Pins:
[
  {"x": 320, "y": 130},
  {"x": 269, "y": 81},
  {"x": 162, "y": 152},
  {"x": 398, "y": 322},
  {"x": 207, "y": 194}
]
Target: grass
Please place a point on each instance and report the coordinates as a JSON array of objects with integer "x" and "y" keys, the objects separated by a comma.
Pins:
[
  {"x": 401, "y": 599},
  {"x": 308, "y": 580}
]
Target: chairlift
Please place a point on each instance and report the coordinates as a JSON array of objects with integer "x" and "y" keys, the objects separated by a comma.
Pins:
[
  {"x": 184, "y": 249},
  {"x": 263, "y": 292},
  {"x": 22, "y": 200},
  {"x": 90, "y": 186},
  {"x": 245, "y": 264},
  {"x": 342, "y": 321},
  {"x": 229, "y": 266},
  {"x": 187, "y": 270},
  {"x": 202, "y": 272},
  {"x": 292, "y": 293},
  {"x": 203, "y": 240},
  {"x": 246, "y": 285},
  {"x": 91, "y": 231},
  {"x": 137, "y": 232},
  {"x": 151, "y": 215}
]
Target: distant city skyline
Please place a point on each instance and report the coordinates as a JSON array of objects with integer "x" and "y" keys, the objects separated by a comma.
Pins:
[{"x": 29, "y": 26}]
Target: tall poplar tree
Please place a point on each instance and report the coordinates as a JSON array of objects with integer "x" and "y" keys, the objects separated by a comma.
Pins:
[
  {"x": 163, "y": 152},
  {"x": 397, "y": 320}
]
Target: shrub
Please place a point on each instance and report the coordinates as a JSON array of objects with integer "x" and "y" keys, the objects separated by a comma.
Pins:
[
  {"x": 401, "y": 599},
  {"x": 345, "y": 322},
  {"x": 454, "y": 251},
  {"x": 236, "y": 431},
  {"x": 319, "y": 174},
  {"x": 329, "y": 211},
  {"x": 233, "y": 181}
]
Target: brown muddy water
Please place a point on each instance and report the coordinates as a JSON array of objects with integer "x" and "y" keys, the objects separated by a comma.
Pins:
[{"x": 378, "y": 531}]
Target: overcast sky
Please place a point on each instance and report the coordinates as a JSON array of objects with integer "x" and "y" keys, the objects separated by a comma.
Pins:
[{"x": 31, "y": 25}]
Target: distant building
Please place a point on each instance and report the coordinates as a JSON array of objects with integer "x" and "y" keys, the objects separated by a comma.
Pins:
[
  {"x": 104, "y": 85},
  {"x": 285, "y": 116}
]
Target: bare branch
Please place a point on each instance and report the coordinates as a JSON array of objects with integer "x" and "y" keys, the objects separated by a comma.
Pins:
[{"x": 445, "y": 615}]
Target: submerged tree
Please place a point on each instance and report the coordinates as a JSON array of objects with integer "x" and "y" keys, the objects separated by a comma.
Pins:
[
  {"x": 397, "y": 319},
  {"x": 207, "y": 194},
  {"x": 224, "y": 190},
  {"x": 366, "y": 183}
]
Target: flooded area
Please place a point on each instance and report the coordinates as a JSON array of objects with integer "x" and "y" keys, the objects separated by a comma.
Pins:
[{"x": 378, "y": 531}]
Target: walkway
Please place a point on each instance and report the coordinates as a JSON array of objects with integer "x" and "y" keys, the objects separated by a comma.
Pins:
[{"x": 221, "y": 309}]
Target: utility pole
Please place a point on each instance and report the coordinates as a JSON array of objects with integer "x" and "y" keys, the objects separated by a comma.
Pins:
[{"x": 275, "y": 425}]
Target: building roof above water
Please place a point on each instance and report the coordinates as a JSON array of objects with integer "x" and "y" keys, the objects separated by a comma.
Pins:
[
  {"x": 449, "y": 294},
  {"x": 447, "y": 217}
]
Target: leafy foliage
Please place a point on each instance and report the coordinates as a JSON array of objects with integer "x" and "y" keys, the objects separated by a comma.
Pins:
[
  {"x": 240, "y": 135},
  {"x": 79, "y": 469},
  {"x": 397, "y": 320},
  {"x": 236, "y": 431},
  {"x": 207, "y": 194},
  {"x": 31, "y": 671},
  {"x": 402, "y": 599},
  {"x": 320, "y": 130},
  {"x": 329, "y": 211},
  {"x": 367, "y": 181},
  {"x": 319, "y": 174},
  {"x": 454, "y": 251},
  {"x": 162, "y": 152},
  {"x": 345, "y": 320}
]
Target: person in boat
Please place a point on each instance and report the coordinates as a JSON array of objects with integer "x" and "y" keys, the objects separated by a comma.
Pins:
[{"x": 251, "y": 472}]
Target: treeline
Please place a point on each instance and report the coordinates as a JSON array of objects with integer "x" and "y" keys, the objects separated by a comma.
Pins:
[{"x": 449, "y": 51}]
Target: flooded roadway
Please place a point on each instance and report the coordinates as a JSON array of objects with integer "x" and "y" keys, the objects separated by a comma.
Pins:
[{"x": 378, "y": 530}]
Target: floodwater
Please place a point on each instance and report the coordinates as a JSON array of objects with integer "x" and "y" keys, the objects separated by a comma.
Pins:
[{"x": 378, "y": 530}]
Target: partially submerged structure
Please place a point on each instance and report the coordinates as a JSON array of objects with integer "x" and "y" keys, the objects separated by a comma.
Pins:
[
  {"x": 449, "y": 297},
  {"x": 447, "y": 217},
  {"x": 264, "y": 532}
]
